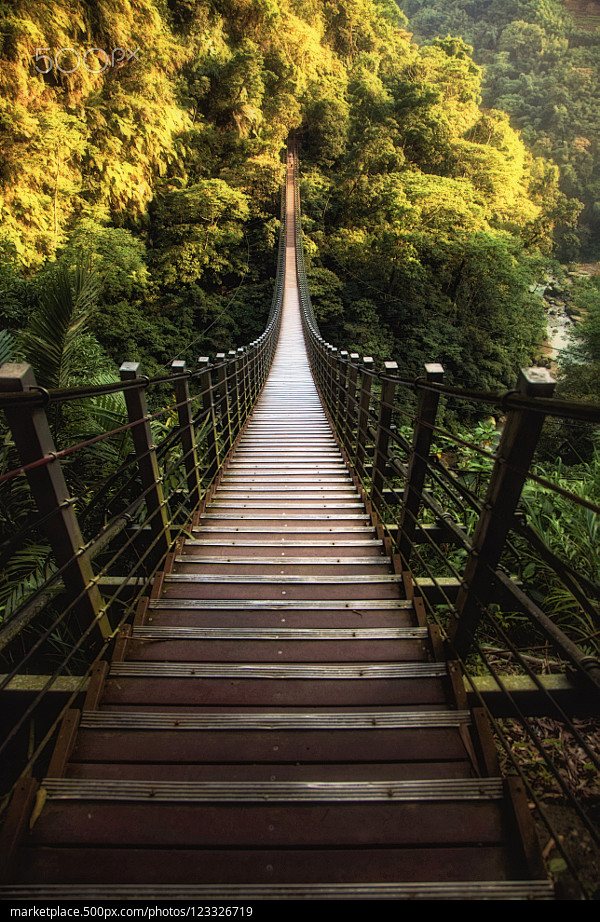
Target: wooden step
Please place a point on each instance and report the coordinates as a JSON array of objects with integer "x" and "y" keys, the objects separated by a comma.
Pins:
[
  {"x": 283, "y": 644},
  {"x": 285, "y": 531},
  {"x": 282, "y": 685},
  {"x": 214, "y": 587},
  {"x": 253, "y": 547},
  {"x": 399, "y": 738},
  {"x": 282, "y": 565},
  {"x": 194, "y": 613},
  {"x": 202, "y": 815},
  {"x": 272, "y": 770}
]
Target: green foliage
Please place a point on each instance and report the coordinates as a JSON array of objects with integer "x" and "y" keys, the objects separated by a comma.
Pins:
[
  {"x": 53, "y": 342},
  {"x": 27, "y": 570},
  {"x": 15, "y": 291},
  {"x": 198, "y": 231},
  {"x": 437, "y": 240},
  {"x": 7, "y": 342},
  {"x": 580, "y": 363},
  {"x": 327, "y": 118},
  {"x": 567, "y": 529},
  {"x": 168, "y": 168},
  {"x": 541, "y": 66},
  {"x": 572, "y": 532},
  {"x": 119, "y": 258}
]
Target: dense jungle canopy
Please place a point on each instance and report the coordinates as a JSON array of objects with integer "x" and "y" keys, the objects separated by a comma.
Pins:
[
  {"x": 150, "y": 133},
  {"x": 541, "y": 65}
]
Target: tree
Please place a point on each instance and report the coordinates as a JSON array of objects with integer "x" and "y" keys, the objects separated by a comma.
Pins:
[
  {"x": 53, "y": 341},
  {"x": 580, "y": 364}
]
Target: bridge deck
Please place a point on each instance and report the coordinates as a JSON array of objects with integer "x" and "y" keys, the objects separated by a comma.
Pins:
[{"x": 279, "y": 718}]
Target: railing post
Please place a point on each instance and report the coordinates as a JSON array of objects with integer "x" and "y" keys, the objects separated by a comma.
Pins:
[
  {"x": 382, "y": 437},
  {"x": 243, "y": 377},
  {"x": 186, "y": 431},
  {"x": 320, "y": 367},
  {"x": 351, "y": 414},
  {"x": 33, "y": 440},
  {"x": 364, "y": 405},
  {"x": 330, "y": 379},
  {"x": 261, "y": 353},
  {"x": 252, "y": 371},
  {"x": 262, "y": 364},
  {"x": 234, "y": 365},
  {"x": 341, "y": 391},
  {"x": 224, "y": 406},
  {"x": 417, "y": 465},
  {"x": 143, "y": 442},
  {"x": 208, "y": 404},
  {"x": 515, "y": 453}
]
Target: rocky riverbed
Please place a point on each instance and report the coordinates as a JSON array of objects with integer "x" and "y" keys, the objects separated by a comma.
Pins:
[
  {"x": 560, "y": 309},
  {"x": 557, "y": 298}
]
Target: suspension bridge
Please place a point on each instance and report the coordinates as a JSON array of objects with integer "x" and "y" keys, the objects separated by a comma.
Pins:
[{"x": 258, "y": 698}]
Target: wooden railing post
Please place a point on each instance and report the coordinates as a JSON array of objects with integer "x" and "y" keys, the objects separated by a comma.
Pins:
[
  {"x": 319, "y": 367},
  {"x": 236, "y": 412},
  {"x": 341, "y": 391},
  {"x": 208, "y": 404},
  {"x": 143, "y": 442},
  {"x": 244, "y": 384},
  {"x": 224, "y": 407},
  {"x": 253, "y": 371},
  {"x": 382, "y": 437},
  {"x": 417, "y": 465},
  {"x": 263, "y": 361},
  {"x": 331, "y": 377},
  {"x": 515, "y": 453},
  {"x": 364, "y": 405},
  {"x": 186, "y": 431},
  {"x": 33, "y": 441},
  {"x": 351, "y": 414}
]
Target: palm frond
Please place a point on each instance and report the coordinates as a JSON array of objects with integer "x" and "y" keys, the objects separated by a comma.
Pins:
[
  {"x": 7, "y": 342},
  {"x": 28, "y": 569},
  {"x": 50, "y": 342}
]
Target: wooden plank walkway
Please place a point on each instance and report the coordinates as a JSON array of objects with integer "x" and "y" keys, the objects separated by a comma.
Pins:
[{"x": 279, "y": 722}]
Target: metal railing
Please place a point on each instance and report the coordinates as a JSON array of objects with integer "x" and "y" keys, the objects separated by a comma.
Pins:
[
  {"x": 87, "y": 547},
  {"x": 521, "y": 618}
]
